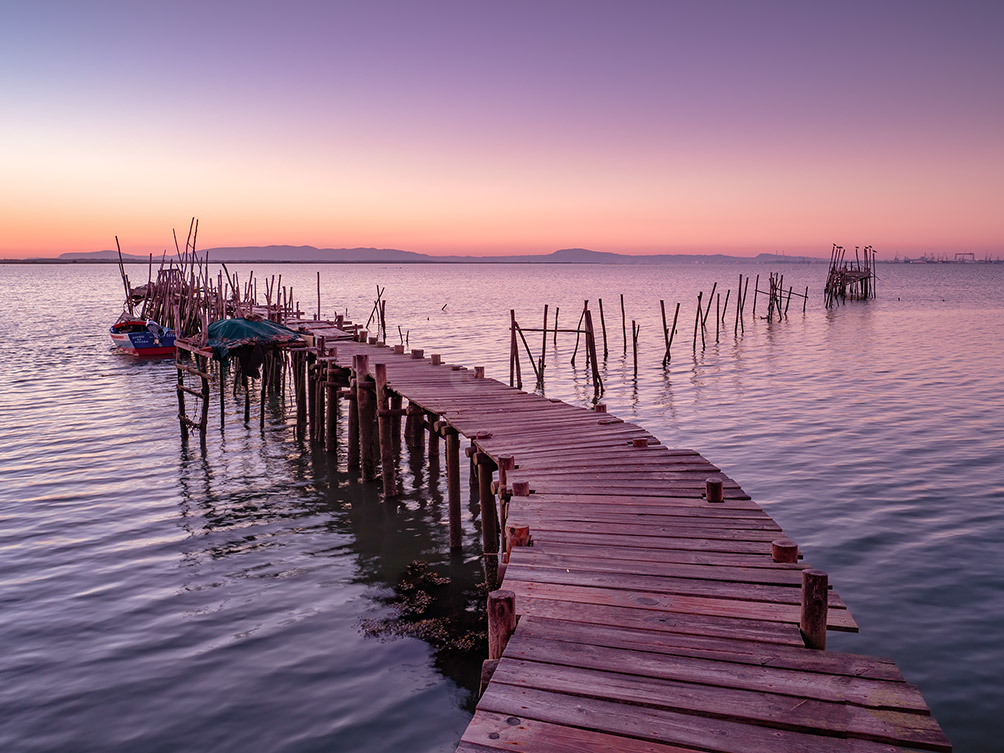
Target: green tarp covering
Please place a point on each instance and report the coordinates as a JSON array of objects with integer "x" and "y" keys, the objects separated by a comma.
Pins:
[{"x": 229, "y": 334}]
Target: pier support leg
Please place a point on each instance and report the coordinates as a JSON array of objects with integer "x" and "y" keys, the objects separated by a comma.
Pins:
[
  {"x": 395, "y": 404},
  {"x": 489, "y": 515},
  {"x": 386, "y": 417},
  {"x": 453, "y": 486},
  {"x": 433, "y": 445},
  {"x": 331, "y": 423},
  {"x": 352, "y": 454},
  {"x": 366, "y": 401}
]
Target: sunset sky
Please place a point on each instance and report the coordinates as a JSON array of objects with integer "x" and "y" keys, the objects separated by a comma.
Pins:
[{"x": 505, "y": 127}]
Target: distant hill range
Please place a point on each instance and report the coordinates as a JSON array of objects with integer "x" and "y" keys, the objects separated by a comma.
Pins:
[{"x": 311, "y": 255}]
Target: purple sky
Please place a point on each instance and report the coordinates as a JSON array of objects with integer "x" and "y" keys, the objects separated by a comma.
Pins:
[{"x": 454, "y": 127}]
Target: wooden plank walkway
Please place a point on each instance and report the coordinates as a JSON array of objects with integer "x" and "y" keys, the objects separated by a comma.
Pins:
[{"x": 649, "y": 618}]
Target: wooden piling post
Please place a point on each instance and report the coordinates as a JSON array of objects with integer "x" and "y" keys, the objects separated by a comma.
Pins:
[
  {"x": 756, "y": 291},
  {"x": 623, "y": 323},
  {"x": 331, "y": 429},
  {"x": 713, "y": 490},
  {"x": 543, "y": 349},
  {"x": 591, "y": 353},
  {"x": 366, "y": 409},
  {"x": 388, "y": 463},
  {"x": 300, "y": 375},
  {"x": 665, "y": 330},
  {"x": 783, "y": 550},
  {"x": 635, "y": 329},
  {"x": 352, "y": 454},
  {"x": 395, "y": 427},
  {"x": 453, "y": 486},
  {"x": 603, "y": 326},
  {"x": 430, "y": 419},
  {"x": 489, "y": 515},
  {"x": 501, "y": 621},
  {"x": 815, "y": 585},
  {"x": 718, "y": 315}
]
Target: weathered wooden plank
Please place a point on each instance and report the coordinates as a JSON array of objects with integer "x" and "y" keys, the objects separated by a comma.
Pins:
[
  {"x": 712, "y": 647},
  {"x": 490, "y": 731},
  {"x": 872, "y": 694},
  {"x": 770, "y": 710},
  {"x": 773, "y": 593},
  {"x": 533, "y": 556},
  {"x": 720, "y": 736},
  {"x": 837, "y": 619}
]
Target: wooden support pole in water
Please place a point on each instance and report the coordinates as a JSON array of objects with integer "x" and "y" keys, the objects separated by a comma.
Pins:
[
  {"x": 489, "y": 514},
  {"x": 320, "y": 391},
  {"x": 603, "y": 326},
  {"x": 718, "y": 315},
  {"x": 591, "y": 353},
  {"x": 665, "y": 330},
  {"x": 416, "y": 418},
  {"x": 554, "y": 342},
  {"x": 815, "y": 585},
  {"x": 318, "y": 317},
  {"x": 513, "y": 353},
  {"x": 756, "y": 291},
  {"x": 395, "y": 427},
  {"x": 635, "y": 329},
  {"x": 672, "y": 333},
  {"x": 805, "y": 300},
  {"x": 697, "y": 321},
  {"x": 368, "y": 444},
  {"x": 331, "y": 429},
  {"x": 300, "y": 386},
  {"x": 388, "y": 461},
  {"x": 453, "y": 485},
  {"x": 352, "y": 453},
  {"x": 624, "y": 323},
  {"x": 501, "y": 621},
  {"x": 311, "y": 382},
  {"x": 707, "y": 310},
  {"x": 430, "y": 421},
  {"x": 543, "y": 350},
  {"x": 578, "y": 330},
  {"x": 739, "y": 300}
]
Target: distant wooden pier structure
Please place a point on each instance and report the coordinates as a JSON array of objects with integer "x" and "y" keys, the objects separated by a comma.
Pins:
[
  {"x": 642, "y": 602},
  {"x": 847, "y": 279}
]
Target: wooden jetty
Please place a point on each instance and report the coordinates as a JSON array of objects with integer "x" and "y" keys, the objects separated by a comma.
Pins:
[{"x": 646, "y": 602}]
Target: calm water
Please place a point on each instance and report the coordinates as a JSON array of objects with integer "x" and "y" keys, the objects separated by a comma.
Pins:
[{"x": 155, "y": 599}]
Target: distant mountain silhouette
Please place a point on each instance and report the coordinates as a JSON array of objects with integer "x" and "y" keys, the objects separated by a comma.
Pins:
[{"x": 310, "y": 254}]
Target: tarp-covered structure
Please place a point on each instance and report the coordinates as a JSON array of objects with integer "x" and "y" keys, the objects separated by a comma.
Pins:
[{"x": 248, "y": 340}]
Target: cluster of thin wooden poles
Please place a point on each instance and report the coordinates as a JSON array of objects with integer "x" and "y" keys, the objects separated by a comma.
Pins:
[
  {"x": 185, "y": 296},
  {"x": 850, "y": 279},
  {"x": 778, "y": 301}
]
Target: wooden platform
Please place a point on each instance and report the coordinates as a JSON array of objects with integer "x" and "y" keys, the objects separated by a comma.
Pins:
[{"x": 650, "y": 619}]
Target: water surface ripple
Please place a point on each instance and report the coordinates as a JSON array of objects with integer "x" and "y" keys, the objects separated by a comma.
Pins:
[{"x": 155, "y": 599}]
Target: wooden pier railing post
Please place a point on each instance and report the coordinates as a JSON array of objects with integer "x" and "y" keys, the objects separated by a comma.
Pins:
[
  {"x": 501, "y": 621},
  {"x": 815, "y": 585},
  {"x": 385, "y": 416},
  {"x": 453, "y": 486}
]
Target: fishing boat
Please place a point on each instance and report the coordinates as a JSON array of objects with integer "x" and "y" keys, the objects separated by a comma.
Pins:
[{"x": 142, "y": 337}]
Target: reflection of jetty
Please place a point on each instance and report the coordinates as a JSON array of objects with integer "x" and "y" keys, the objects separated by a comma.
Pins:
[
  {"x": 646, "y": 602},
  {"x": 850, "y": 279}
]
